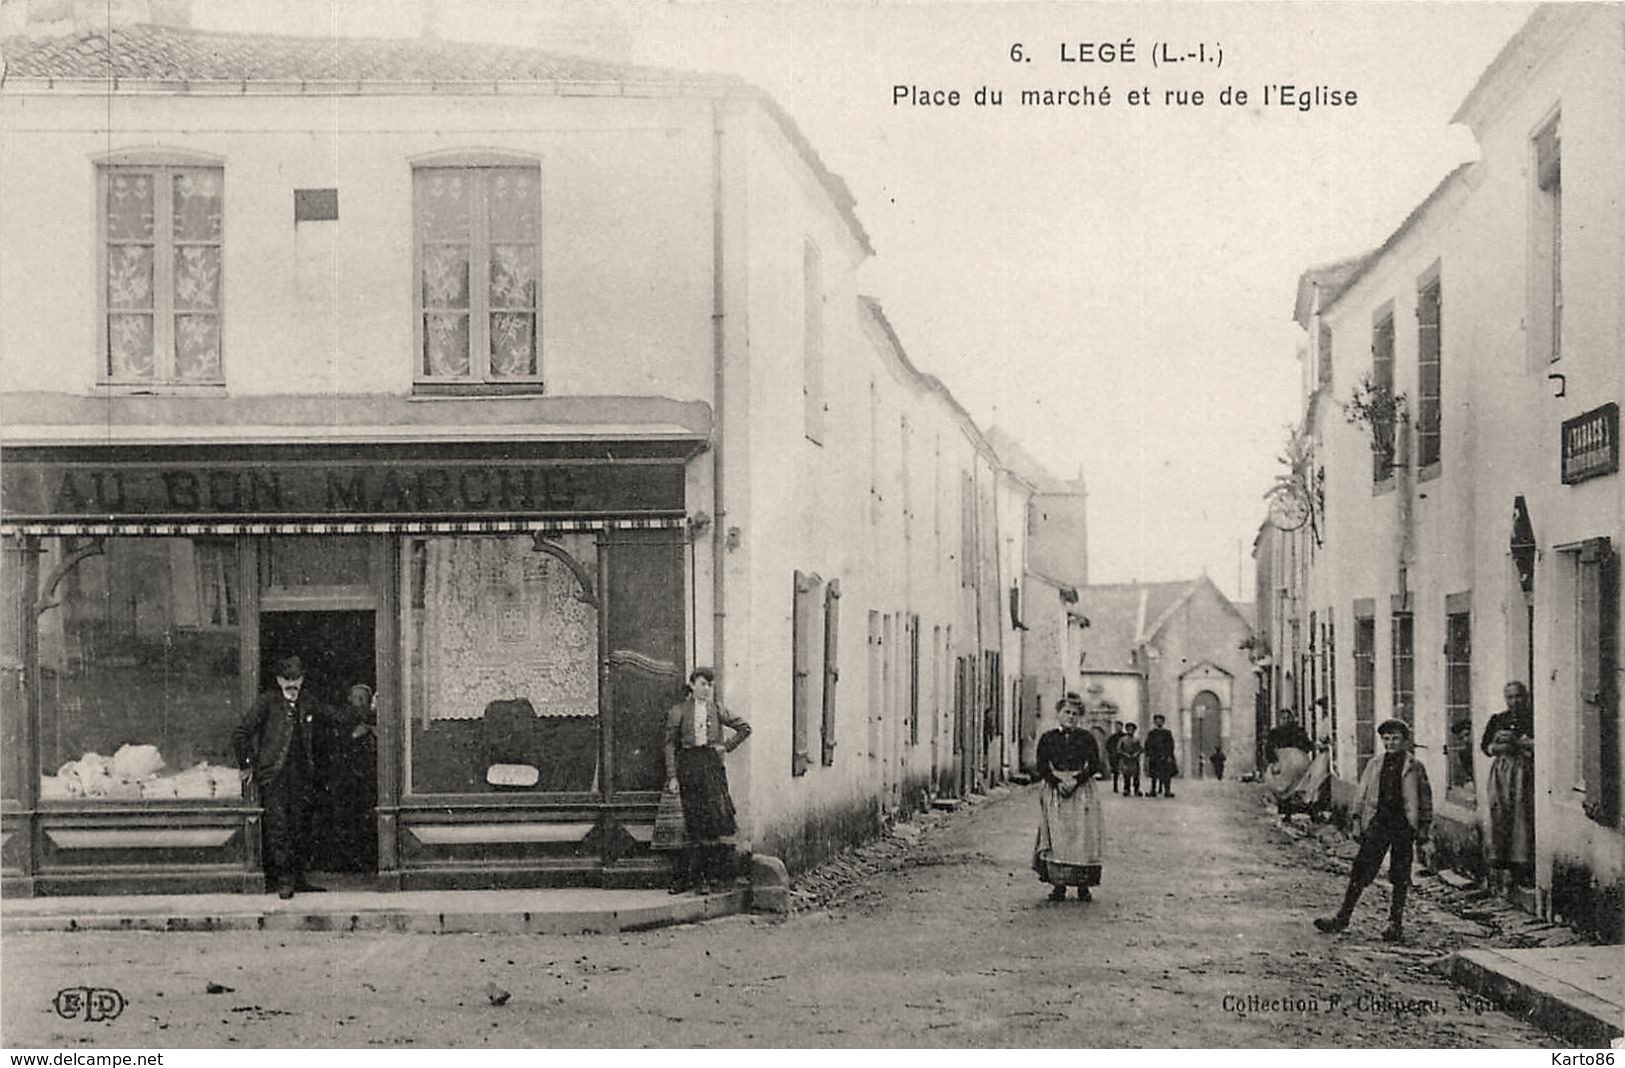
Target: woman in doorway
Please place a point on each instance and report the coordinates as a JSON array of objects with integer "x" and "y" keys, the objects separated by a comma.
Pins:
[
  {"x": 1071, "y": 830},
  {"x": 1509, "y": 742},
  {"x": 351, "y": 783},
  {"x": 694, "y": 748}
]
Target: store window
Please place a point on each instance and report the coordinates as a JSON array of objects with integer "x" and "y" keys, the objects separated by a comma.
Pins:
[
  {"x": 501, "y": 665},
  {"x": 139, "y": 669}
]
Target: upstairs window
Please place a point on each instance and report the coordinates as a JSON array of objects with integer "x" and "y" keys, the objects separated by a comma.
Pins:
[
  {"x": 1429, "y": 359},
  {"x": 162, "y": 239},
  {"x": 1323, "y": 353},
  {"x": 478, "y": 243},
  {"x": 1382, "y": 381},
  {"x": 1546, "y": 248}
]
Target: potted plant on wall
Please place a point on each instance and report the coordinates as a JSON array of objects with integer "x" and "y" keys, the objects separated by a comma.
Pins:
[{"x": 1379, "y": 411}]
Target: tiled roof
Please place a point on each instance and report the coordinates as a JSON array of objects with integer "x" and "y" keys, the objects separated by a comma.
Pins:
[
  {"x": 162, "y": 53},
  {"x": 1024, "y": 464},
  {"x": 147, "y": 53},
  {"x": 1374, "y": 259},
  {"x": 1113, "y": 611},
  {"x": 1332, "y": 278}
]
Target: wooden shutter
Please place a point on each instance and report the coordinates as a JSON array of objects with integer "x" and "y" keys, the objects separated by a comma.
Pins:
[
  {"x": 1599, "y": 699},
  {"x": 914, "y": 680},
  {"x": 832, "y": 671},
  {"x": 801, "y": 669}
]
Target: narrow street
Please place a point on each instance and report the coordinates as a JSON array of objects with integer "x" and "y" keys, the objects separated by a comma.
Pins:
[{"x": 1204, "y": 905}]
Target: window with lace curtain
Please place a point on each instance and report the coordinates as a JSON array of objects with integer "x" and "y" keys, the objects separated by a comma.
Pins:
[
  {"x": 162, "y": 239},
  {"x": 478, "y": 232}
]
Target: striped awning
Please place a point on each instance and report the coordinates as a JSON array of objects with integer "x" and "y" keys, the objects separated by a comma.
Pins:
[{"x": 81, "y": 528}]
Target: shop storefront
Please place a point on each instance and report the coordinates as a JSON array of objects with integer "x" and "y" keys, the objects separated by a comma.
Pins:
[{"x": 519, "y": 611}]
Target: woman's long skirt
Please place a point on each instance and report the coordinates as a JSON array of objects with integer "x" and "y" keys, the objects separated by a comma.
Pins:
[
  {"x": 1282, "y": 777},
  {"x": 1071, "y": 837},
  {"x": 708, "y": 811},
  {"x": 1512, "y": 811}
]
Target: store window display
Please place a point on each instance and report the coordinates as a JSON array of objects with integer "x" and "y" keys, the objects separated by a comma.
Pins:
[{"x": 139, "y": 669}]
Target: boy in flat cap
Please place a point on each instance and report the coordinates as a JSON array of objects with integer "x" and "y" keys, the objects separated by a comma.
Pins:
[{"x": 1392, "y": 811}]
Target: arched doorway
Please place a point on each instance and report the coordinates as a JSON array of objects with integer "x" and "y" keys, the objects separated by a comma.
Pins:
[{"x": 1205, "y": 730}]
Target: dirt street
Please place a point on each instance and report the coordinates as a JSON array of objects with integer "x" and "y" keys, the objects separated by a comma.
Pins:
[{"x": 1205, "y": 905}]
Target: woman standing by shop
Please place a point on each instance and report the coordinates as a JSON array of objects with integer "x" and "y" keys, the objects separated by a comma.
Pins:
[
  {"x": 1509, "y": 742},
  {"x": 694, "y": 748},
  {"x": 1071, "y": 830}
]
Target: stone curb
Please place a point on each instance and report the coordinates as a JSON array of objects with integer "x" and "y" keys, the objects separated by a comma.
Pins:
[
  {"x": 1575, "y": 1015},
  {"x": 339, "y": 921}
]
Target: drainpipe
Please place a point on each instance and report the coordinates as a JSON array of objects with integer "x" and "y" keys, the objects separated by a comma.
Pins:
[{"x": 719, "y": 530}]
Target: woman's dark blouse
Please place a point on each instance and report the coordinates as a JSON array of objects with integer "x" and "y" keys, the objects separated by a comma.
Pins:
[
  {"x": 1517, "y": 723},
  {"x": 1068, "y": 750}
]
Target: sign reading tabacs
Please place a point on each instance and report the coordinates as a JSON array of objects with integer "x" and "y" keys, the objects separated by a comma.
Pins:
[{"x": 1590, "y": 444}]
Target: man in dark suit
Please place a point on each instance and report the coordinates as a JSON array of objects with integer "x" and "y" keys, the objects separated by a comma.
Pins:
[
  {"x": 275, "y": 745},
  {"x": 1159, "y": 757}
]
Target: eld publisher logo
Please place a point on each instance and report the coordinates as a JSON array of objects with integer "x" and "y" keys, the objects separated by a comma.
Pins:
[{"x": 89, "y": 1003}]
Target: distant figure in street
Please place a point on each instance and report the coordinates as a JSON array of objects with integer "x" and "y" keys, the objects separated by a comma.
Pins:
[
  {"x": 275, "y": 742},
  {"x": 1217, "y": 760},
  {"x": 1128, "y": 758},
  {"x": 694, "y": 748},
  {"x": 1295, "y": 777},
  {"x": 1159, "y": 757},
  {"x": 1071, "y": 829},
  {"x": 1392, "y": 813},
  {"x": 1509, "y": 740},
  {"x": 1112, "y": 743}
]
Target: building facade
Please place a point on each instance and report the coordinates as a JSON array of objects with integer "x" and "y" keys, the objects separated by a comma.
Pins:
[
  {"x": 1463, "y": 384},
  {"x": 510, "y": 385}
]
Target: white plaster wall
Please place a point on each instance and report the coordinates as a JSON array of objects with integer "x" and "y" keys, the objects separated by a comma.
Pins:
[
  {"x": 626, "y": 261},
  {"x": 1361, "y": 557},
  {"x": 1521, "y": 417},
  {"x": 1501, "y": 429}
]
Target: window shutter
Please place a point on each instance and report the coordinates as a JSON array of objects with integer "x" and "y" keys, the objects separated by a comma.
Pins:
[
  {"x": 914, "y": 680},
  {"x": 1549, "y": 158},
  {"x": 800, "y": 669},
  {"x": 832, "y": 671},
  {"x": 1599, "y": 704}
]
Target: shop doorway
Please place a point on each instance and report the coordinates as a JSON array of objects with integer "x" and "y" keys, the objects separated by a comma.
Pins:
[{"x": 339, "y": 651}]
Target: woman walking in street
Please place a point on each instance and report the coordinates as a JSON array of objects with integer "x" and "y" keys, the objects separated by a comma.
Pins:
[
  {"x": 1071, "y": 829},
  {"x": 1509, "y": 740},
  {"x": 694, "y": 748}
]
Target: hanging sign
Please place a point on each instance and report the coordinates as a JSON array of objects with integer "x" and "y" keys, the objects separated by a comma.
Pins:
[{"x": 1591, "y": 444}]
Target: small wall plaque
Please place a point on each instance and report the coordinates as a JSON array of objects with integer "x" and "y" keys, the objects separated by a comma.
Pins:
[{"x": 315, "y": 205}]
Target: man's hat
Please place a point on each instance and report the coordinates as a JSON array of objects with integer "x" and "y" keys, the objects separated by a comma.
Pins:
[
  {"x": 290, "y": 668},
  {"x": 1394, "y": 726}
]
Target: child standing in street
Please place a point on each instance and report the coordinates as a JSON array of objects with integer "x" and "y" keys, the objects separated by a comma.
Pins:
[
  {"x": 1392, "y": 812},
  {"x": 1128, "y": 758}
]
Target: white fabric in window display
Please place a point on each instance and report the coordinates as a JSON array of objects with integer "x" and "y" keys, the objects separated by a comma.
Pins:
[{"x": 502, "y": 622}]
